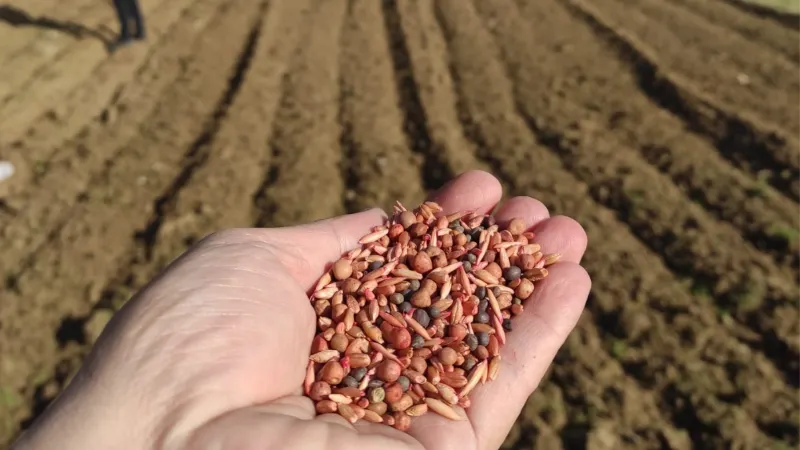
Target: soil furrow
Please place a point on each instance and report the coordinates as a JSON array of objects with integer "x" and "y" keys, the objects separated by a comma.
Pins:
[
  {"x": 434, "y": 171},
  {"x": 735, "y": 70},
  {"x": 642, "y": 306},
  {"x": 34, "y": 57},
  {"x": 29, "y": 26},
  {"x": 197, "y": 154},
  {"x": 693, "y": 244},
  {"x": 45, "y": 89},
  {"x": 304, "y": 138},
  {"x": 749, "y": 26},
  {"x": 427, "y": 54},
  {"x": 746, "y": 141},
  {"x": 576, "y": 67},
  {"x": 785, "y": 19},
  {"x": 375, "y": 146},
  {"x": 33, "y": 143},
  {"x": 210, "y": 200},
  {"x": 79, "y": 263},
  {"x": 425, "y": 26},
  {"x": 49, "y": 201}
]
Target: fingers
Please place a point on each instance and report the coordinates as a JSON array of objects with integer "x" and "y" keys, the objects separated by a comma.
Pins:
[
  {"x": 530, "y": 210},
  {"x": 471, "y": 191},
  {"x": 308, "y": 250},
  {"x": 537, "y": 335}
]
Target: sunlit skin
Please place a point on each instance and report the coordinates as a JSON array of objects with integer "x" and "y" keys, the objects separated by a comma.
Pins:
[{"x": 212, "y": 353}]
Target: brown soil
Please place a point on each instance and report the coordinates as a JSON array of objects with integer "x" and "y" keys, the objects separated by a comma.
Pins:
[{"x": 677, "y": 151}]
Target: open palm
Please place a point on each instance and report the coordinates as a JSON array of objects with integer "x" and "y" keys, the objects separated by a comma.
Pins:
[{"x": 212, "y": 353}]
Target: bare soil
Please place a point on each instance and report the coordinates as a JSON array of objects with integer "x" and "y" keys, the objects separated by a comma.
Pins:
[{"x": 667, "y": 128}]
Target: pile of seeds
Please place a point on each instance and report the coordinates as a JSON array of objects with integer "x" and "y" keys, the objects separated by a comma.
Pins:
[{"x": 414, "y": 319}]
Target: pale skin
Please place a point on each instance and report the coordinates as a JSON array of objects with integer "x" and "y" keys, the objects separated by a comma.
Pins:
[{"x": 212, "y": 353}]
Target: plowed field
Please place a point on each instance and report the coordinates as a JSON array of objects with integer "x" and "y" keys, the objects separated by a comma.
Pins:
[{"x": 668, "y": 128}]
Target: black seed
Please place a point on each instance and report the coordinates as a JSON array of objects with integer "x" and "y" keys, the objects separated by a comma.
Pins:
[
  {"x": 378, "y": 321},
  {"x": 488, "y": 221},
  {"x": 359, "y": 373},
  {"x": 422, "y": 317},
  {"x": 404, "y": 383},
  {"x": 350, "y": 381},
  {"x": 517, "y": 301},
  {"x": 373, "y": 383},
  {"x": 397, "y": 298},
  {"x": 472, "y": 258},
  {"x": 458, "y": 228},
  {"x": 483, "y": 338},
  {"x": 507, "y": 324},
  {"x": 467, "y": 266},
  {"x": 374, "y": 265},
  {"x": 414, "y": 285},
  {"x": 469, "y": 363},
  {"x": 472, "y": 341},
  {"x": 404, "y": 307},
  {"x": 483, "y": 305},
  {"x": 434, "y": 312},
  {"x": 482, "y": 317},
  {"x": 469, "y": 237},
  {"x": 496, "y": 291},
  {"x": 417, "y": 341},
  {"x": 480, "y": 292},
  {"x": 476, "y": 234},
  {"x": 512, "y": 273}
]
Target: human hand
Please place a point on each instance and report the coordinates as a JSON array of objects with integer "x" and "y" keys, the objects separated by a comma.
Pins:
[{"x": 212, "y": 353}]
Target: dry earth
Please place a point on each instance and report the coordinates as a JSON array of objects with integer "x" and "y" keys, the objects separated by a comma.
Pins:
[{"x": 668, "y": 128}]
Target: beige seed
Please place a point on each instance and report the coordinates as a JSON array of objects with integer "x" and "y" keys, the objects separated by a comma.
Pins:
[
  {"x": 551, "y": 258},
  {"x": 340, "y": 398},
  {"x": 347, "y": 412},
  {"x": 476, "y": 376},
  {"x": 403, "y": 404},
  {"x": 374, "y": 236},
  {"x": 494, "y": 367},
  {"x": 442, "y": 409},
  {"x": 342, "y": 269},
  {"x": 323, "y": 281},
  {"x": 372, "y": 416},
  {"x": 417, "y": 410},
  {"x": 493, "y": 303},
  {"x": 447, "y": 393},
  {"x": 324, "y": 356}
]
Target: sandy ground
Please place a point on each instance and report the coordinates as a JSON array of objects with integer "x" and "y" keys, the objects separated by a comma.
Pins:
[{"x": 668, "y": 128}]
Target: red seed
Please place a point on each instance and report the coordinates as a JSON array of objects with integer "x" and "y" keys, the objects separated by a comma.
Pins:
[{"x": 389, "y": 371}]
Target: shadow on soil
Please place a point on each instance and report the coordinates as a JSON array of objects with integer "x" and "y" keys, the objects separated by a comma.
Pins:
[{"x": 19, "y": 18}]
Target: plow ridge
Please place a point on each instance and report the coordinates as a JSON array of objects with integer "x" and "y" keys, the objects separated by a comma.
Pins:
[
  {"x": 434, "y": 170},
  {"x": 785, "y": 19},
  {"x": 745, "y": 143},
  {"x": 198, "y": 151}
]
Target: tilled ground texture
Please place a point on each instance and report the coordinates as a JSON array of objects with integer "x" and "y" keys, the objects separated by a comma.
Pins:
[{"x": 668, "y": 128}]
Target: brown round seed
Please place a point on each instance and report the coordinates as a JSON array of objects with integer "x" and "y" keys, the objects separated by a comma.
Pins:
[
  {"x": 447, "y": 356},
  {"x": 339, "y": 342},
  {"x": 402, "y": 421},
  {"x": 389, "y": 371},
  {"x": 326, "y": 407},
  {"x": 319, "y": 391},
  {"x": 342, "y": 269},
  {"x": 378, "y": 407},
  {"x": 332, "y": 373},
  {"x": 392, "y": 392},
  {"x": 400, "y": 338},
  {"x": 422, "y": 263}
]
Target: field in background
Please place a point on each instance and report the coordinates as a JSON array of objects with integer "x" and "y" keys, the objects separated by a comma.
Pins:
[{"x": 668, "y": 128}]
